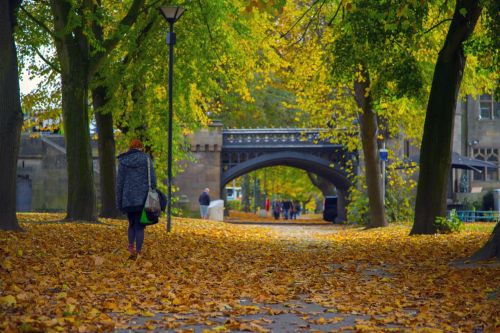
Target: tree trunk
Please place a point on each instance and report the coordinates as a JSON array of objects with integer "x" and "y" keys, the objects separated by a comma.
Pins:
[
  {"x": 73, "y": 54},
  {"x": 245, "y": 193},
  {"x": 369, "y": 131},
  {"x": 324, "y": 185},
  {"x": 106, "y": 147},
  {"x": 492, "y": 247},
  {"x": 81, "y": 189},
  {"x": 435, "y": 153},
  {"x": 11, "y": 116},
  {"x": 341, "y": 205}
]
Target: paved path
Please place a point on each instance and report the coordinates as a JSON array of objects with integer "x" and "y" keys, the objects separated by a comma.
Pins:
[{"x": 294, "y": 316}]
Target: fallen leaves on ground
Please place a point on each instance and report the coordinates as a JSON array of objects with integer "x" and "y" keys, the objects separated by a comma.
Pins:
[{"x": 76, "y": 277}]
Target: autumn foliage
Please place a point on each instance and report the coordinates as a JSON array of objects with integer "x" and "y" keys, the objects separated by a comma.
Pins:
[{"x": 76, "y": 277}]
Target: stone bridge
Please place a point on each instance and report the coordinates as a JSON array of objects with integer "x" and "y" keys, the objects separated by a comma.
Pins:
[{"x": 221, "y": 155}]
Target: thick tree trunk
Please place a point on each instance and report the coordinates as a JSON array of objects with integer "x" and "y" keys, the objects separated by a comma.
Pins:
[
  {"x": 11, "y": 117},
  {"x": 107, "y": 150},
  {"x": 73, "y": 55},
  {"x": 492, "y": 247},
  {"x": 81, "y": 189},
  {"x": 341, "y": 205},
  {"x": 369, "y": 131},
  {"x": 245, "y": 193},
  {"x": 435, "y": 153},
  {"x": 324, "y": 185},
  {"x": 327, "y": 188}
]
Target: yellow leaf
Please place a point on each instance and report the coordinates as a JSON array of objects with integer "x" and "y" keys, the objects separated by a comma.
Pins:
[
  {"x": 94, "y": 312},
  {"x": 147, "y": 314},
  {"x": 130, "y": 312},
  {"x": 110, "y": 305},
  {"x": 8, "y": 300},
  {"x": 6, "y": 265}
]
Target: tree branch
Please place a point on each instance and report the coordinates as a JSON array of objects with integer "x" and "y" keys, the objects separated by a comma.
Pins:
[
  {"x": 299, "y": 19},
  {"x": 461, "y": 27},
  {"x": 153, "y": 4},
  {"x": 209, "y": 30},
  {"x": 309, "y": 24},
  {"x": 313, "y": 179},
  {"x": 335, "y": 15},
  {"x": 109, "y": 44},
  {"x": 48, "y": 62},
  {"x": 40, "y": 23},
  {"x": 436, "y": 25}
]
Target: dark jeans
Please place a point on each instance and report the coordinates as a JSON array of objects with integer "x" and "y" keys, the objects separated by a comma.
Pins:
[{"x": 135, "y": 230}]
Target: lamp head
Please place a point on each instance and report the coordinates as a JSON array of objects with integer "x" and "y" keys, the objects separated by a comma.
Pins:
[{"x": 170, "y": 13}]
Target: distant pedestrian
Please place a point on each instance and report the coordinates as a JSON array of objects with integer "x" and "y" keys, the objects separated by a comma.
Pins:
[
  {"x": 287, "y": 206},
  {"x": 276, "y": 206},
  {"x": 204, "y": 201},
  {"x": 298, "y": 209},
  {"x": 131, "y": 191}
]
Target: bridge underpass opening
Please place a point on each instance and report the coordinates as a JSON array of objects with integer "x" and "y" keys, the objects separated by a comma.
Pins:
[
  {"x": 222, "y": 155},
  {"x": 250, "y": 191}
]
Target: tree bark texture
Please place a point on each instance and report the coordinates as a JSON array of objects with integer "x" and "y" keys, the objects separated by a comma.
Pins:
[
  {"x": 73, "y": 54},
  {"x": 245, "y": 193},
  {"x": 11, "y": 116},
  {"x": 324, "y": 185},
  {"x": 107, "y": 151},
  {"x": 492, "y": 247},
  {"x": 341, "y": 205},
  {"x": 437, "y": 141},
  {"x": 369, "y": 131},
  {"x": 327, "y": 188}
]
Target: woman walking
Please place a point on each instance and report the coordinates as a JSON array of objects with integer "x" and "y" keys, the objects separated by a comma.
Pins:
[{"x": 131, "y": 191}]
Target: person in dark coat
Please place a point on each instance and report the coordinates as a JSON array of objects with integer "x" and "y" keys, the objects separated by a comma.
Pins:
[
  {"x": 287, "y": 206},
  {"x": 131, "y": 191},
  {"x": 204, "y": 200},
  {"x": 276, "y": 209}
]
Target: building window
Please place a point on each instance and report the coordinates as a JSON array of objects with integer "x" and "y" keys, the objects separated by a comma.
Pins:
[
  {"x": 490, "y": 155},
  {"x": 488, "y": 107}
]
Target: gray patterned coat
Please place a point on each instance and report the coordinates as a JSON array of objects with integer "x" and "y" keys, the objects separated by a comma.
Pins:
[{"x": 132, "y": 180}]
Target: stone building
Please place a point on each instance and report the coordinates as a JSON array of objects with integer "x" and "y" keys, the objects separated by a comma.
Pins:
[
  {"x": 42, "y": 181},
  {"x": 477, "y": 135}
]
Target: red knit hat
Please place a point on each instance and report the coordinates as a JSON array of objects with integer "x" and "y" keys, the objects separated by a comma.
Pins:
[{"x": 136, "y": 144}]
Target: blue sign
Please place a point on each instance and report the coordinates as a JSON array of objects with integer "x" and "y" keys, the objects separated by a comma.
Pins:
[{"x": 384, "y": 155}]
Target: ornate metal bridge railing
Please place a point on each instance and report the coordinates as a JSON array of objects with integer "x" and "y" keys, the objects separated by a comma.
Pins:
[{"x": 273, "y": 137}]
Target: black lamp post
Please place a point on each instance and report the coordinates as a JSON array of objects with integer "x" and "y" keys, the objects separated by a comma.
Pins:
[{"x": 171, "y": 14}]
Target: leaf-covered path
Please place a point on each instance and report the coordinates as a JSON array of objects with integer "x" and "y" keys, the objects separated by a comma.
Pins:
[{"x": 224, "y": 277}]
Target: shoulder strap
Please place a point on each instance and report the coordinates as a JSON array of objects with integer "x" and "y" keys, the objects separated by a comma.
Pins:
[{"x": 149, "y": 173}]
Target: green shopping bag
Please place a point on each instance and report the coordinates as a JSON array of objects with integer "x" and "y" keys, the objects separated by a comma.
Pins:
[{"x": 148, "y": 220}]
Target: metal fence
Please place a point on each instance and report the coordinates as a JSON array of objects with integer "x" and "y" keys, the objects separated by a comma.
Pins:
[{"x": 477, "y": 215}]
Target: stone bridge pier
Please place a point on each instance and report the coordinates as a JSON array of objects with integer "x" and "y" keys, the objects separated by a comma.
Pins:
[{"x": 204, "y": 170}]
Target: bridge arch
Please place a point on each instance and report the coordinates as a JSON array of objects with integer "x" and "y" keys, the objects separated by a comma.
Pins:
[
  {"x": 300, "y": 160},
  {"x": 222, "y": 155}
]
